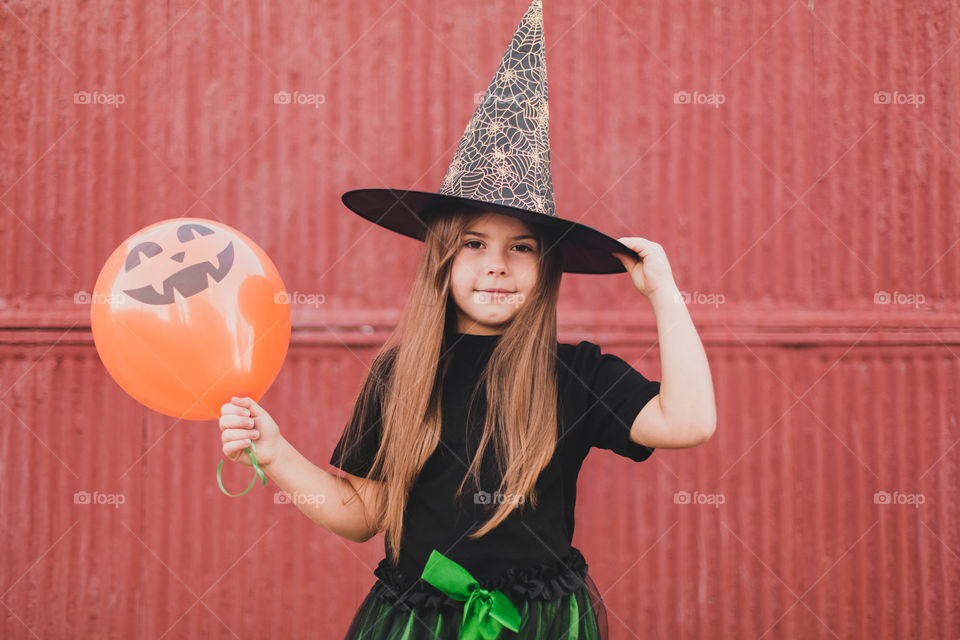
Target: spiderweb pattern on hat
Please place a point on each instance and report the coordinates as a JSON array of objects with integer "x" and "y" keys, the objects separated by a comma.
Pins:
[{"x": 504, "y": 154}]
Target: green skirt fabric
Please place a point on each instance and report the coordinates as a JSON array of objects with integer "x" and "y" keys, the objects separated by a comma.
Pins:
[{"x": 556, "y": 602}]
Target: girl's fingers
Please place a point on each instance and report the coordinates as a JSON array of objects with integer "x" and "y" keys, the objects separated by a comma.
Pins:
[
  {"x": 230, "y": 435},
  {"x": 232, "y": 447},
  {"x": 248, "y": 403},
  {"x": 627, "y": 261},
  {"x": 640, "y": 245},
  {"x": 232, "y": 422},
  {"x": 234, "y": 409}
]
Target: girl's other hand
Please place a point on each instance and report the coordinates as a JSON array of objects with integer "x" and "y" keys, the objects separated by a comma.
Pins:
[
  {"x": 243, "y": 420},
  {"x": 652, "y": 271}
]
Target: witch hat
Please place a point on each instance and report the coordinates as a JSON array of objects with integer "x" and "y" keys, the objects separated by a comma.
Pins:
[{"x": 502, "y": 164}]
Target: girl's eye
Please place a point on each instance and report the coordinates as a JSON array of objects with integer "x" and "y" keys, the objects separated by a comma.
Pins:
[{"x": 471, "y": 242}]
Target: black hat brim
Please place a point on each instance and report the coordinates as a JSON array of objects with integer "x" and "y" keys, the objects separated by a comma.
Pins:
[{"x": 584, "y": 249}]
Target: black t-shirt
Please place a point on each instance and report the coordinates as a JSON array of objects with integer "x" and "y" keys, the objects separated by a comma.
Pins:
[{"x": 599, "y": 395}]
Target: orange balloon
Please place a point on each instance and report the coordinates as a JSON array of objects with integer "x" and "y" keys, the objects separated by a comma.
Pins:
[{"x": 187, "y": 313}]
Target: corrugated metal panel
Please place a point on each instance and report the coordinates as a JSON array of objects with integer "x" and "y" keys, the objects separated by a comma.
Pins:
[
  {"x": 797, "y": 480},
  {"x": 797, "y": 200}
]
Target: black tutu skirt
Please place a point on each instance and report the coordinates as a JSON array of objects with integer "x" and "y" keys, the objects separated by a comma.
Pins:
[{"x": 556, "y": 601}]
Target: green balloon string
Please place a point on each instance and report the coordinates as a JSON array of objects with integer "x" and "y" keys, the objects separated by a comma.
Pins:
[{"x": 259, "y": 472}]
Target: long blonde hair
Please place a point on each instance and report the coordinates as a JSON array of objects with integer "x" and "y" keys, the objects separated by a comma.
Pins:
[{"x": 520, "y": 381}]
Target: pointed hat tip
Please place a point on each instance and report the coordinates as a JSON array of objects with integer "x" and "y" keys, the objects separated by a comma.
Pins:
[{"x": 504, "y": 155}]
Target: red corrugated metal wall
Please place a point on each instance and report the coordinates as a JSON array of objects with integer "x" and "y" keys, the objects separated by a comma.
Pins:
[{"x": 796, "y": 161}]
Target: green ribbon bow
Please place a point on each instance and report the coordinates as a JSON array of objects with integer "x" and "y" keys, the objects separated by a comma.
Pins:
[
  {"x": 253, "y": 460},
  {"x": 486, "y": 611}
]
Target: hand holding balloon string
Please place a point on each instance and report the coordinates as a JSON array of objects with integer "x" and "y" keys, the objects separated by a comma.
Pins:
[{"x": 243, "y": 421}]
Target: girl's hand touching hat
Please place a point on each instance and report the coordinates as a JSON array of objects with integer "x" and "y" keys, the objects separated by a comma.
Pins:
[{"x": 652, "y": 271}]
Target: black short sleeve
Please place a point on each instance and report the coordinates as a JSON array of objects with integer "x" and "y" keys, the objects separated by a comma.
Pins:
[
  {"x": 613, "y": 394},
  {"x": 360, "y": 453}
]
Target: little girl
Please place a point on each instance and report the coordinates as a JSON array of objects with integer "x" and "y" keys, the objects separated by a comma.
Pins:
[
  {"x": 470, "y": 429},
  {"x": 478, "y": 390}
]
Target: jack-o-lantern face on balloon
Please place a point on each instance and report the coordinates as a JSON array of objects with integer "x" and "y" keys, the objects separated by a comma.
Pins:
[
  {"x": 188, "y": 280},
  {"x": 187, "y": 313}
]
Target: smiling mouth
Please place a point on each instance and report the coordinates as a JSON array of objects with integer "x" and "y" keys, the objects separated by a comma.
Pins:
[{"x": 188, "y": 281}]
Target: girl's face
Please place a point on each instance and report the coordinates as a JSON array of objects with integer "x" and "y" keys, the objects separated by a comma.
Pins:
[{"x": 497, "y": 252}]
